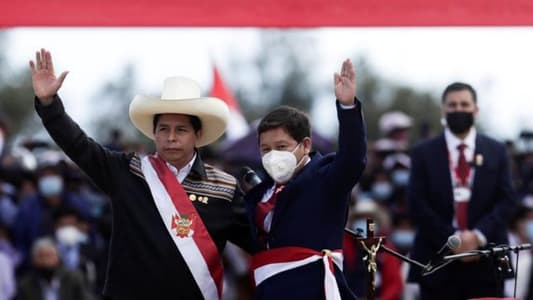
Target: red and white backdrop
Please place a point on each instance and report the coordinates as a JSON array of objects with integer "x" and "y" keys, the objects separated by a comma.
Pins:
[{"x": 266, "y": 13}]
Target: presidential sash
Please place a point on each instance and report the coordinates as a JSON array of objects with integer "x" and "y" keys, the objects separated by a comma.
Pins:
[
  {"x": 271, "y": 262},
  {"x": 185, "y": 226}
]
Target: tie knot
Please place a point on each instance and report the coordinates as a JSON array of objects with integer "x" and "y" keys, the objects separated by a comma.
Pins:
[{"x": 461, "y": 147}]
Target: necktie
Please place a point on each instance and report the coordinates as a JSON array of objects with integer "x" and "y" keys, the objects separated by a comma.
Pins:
[
  {"x": 463, "y": 172},
  {"x": 264, "y": 210},
  {"x": 463, "y": 169}
]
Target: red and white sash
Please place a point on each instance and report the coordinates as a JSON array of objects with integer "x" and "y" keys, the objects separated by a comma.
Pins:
[
  {"x": 274, "y": 261},
  {"x": 185, "y": 226}
]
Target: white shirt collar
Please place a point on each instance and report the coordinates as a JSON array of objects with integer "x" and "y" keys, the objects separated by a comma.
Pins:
[
  {"x": 183, "y": 172},
  {"x": 453, "y": 141}
]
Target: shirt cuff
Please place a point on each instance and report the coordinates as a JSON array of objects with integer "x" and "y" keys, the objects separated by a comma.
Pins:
[
  {"x": 481, "y": 239},
  {"x": 347, "y": 106}
]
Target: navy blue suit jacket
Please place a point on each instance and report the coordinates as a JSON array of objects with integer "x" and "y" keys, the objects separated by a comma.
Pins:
[
  {"x": 431, "y": 204},
  {"x": 311, "y": 211}
]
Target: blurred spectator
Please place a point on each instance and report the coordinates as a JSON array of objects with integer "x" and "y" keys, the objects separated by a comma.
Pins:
[
  {"x": 47, "y": 279},
  {"x": 9, "y": 258},
  {"x": 7, "y": 278},
  {"x": 402, "y": 237},
  {"x": 521, "y": 232},
  {"x": 115, "y": 142},
  {"x": 395, "y": 125},
  {"x": 6, "y": 246},
  {"x": 35, "y": 217},
  {"x": 524, "y": 157},
  {"x": 8, "y": 203},
  {"x": 398, "y": 167},
  {"x": 3, "y": 138},
  {"x": 72, "y": 240},
  {"x": 381, "y": 188}
]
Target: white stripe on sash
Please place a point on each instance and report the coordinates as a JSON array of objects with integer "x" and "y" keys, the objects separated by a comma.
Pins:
[{"x": 186, "y": 245}]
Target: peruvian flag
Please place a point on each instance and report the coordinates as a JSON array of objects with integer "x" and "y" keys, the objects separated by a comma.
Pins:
[{"x": 237, "y": 125}]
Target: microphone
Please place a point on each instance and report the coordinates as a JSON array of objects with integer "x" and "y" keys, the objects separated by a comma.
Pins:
[
  {"x": 248, "y": 179},
  {"x": 453, "y": 243}
]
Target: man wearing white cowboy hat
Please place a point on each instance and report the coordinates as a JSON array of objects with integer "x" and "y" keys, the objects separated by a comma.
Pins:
[{"x": 172, "y": 214}]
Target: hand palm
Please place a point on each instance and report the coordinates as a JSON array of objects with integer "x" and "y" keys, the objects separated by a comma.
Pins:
[
  {"x": 345, "y": 83},
  {"x": 45, "y": 84},
  {"x": 345, "y": 89}
]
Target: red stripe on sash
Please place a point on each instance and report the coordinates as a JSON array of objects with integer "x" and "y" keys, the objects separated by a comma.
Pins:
[{"x": 184, "y": 206}]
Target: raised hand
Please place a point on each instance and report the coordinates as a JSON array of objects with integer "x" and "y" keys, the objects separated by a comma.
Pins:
[
  {"x": 45, "y": 83},
  {"x": 345, "y": 83}
]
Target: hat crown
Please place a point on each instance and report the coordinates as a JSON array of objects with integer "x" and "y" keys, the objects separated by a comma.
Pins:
[{"x": 176, "y": 88}]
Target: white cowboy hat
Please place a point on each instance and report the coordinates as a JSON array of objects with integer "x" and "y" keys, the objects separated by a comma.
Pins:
[{"x": 181, "y": 96}]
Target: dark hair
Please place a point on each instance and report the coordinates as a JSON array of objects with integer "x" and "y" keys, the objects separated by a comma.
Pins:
[
  {"x": 294, "y": 121},
  {"x": 459, "y": 86},
  {"x": 196, "y": 123},
  {"x": 66, "y": 211}
]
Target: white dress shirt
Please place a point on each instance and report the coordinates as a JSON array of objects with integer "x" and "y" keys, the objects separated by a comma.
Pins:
[
  {"x": 183, "y": 172},
  {"x": 452, "y": 141}
]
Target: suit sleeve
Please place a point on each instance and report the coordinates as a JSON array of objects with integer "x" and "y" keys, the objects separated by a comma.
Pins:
[
  {"x": 96, "y": 161},
  {"x": 350, "y": 160},
  {"x": 418, "y": 195},
  {"x": 240, "y": 233},
  {"x": 505, "y": 201}
]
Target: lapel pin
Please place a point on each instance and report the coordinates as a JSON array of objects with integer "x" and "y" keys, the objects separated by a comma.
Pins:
[{"x": 479, "y": 160}]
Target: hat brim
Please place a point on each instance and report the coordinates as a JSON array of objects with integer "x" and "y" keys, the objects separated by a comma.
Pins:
[{"x": 212, "y": 112}]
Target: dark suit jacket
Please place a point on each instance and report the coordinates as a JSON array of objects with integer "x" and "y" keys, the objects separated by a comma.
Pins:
[
  {"x": 311, "y": 211},
  {"x": 431, "y": 204},
  {"x": 71, "y": 287}
]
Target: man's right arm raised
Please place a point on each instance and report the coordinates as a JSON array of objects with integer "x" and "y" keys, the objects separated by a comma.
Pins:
[{"x": 91, "y": 157}]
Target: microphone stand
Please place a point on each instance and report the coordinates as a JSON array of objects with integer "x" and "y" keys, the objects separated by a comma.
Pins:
[{"x": 497, "y": 252}]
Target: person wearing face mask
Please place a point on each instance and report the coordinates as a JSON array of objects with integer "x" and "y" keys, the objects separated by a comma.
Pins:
[
  {"x": 48, "y": 279},
  {"x": 459, "y": 184},
  {"x": 35, "y": 216},
  {"x": 299, "y": 212},
  {"x": 76, "y": 251}
]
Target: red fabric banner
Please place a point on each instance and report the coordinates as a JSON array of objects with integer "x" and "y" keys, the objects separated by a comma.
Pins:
[{"x": 266, "y": 13}]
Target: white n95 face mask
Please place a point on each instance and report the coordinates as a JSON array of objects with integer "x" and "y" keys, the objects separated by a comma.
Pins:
[{"x": 280, "y": 165}]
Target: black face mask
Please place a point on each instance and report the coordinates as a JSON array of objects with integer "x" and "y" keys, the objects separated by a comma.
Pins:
[
  {"x": 459, "y": 121},
  {"x": 47, "y": 273}
]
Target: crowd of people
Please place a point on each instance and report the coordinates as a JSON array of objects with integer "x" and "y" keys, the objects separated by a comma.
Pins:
[
  {"x": 46, "y": 201},
  {"x": 56, "y": 222}
]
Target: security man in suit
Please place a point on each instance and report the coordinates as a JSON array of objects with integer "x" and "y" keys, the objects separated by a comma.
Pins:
[{"x": 459, "y": 184}]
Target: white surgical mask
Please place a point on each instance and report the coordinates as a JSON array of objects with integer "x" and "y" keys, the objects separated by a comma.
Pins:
[
  {"x": 382, "y": 190},
  {"x": 70, "y": 235},
  {"x": 50, "y": 185},
  {"x": 280, "y": 165},
  {"x": 400, "y": 177}
]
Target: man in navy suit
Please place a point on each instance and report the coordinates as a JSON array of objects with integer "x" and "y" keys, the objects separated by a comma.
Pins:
[
  {"x": 300, "y": 210},
  {"x": 460, "y": 184}
]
